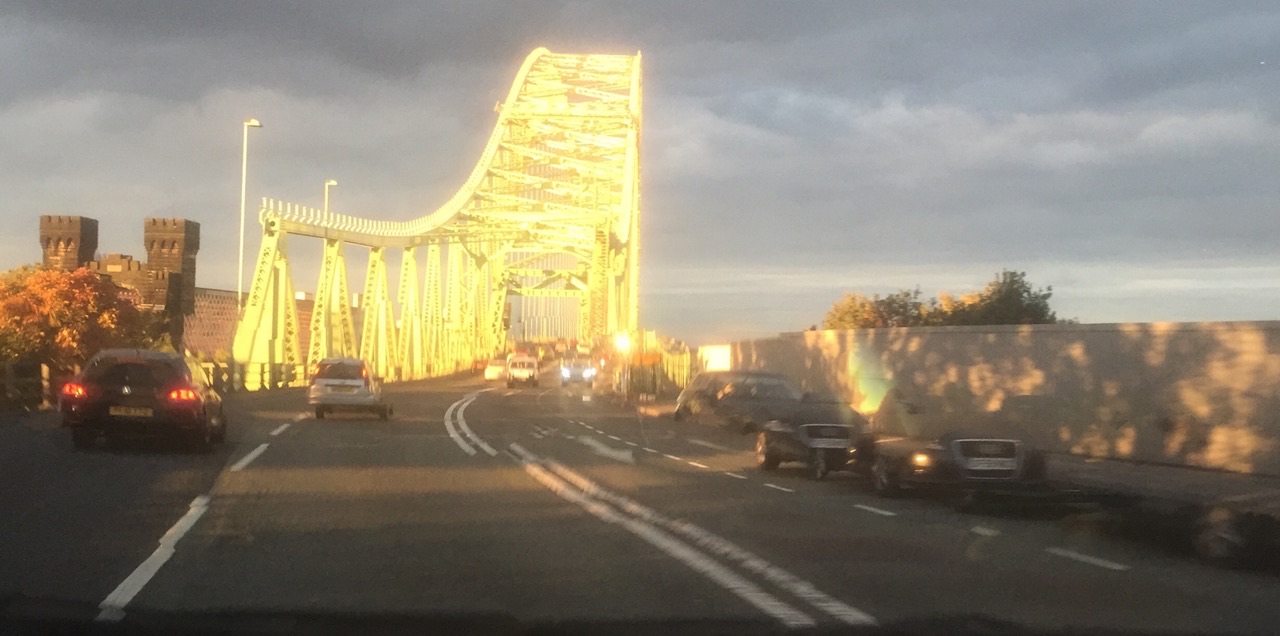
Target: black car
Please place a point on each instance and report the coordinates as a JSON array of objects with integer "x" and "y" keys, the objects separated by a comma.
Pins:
[
  {"x": 133, "y": 393},
  {"x": 909, "y": 449},
  {"x": 789, "y": 425}
]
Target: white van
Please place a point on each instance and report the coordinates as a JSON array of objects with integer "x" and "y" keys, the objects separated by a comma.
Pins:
[{"x": 523, "y": 369}]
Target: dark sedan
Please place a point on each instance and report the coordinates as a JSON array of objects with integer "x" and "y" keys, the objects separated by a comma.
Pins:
[
  {"x": 790, "y": 426},
  {"x": 956, "y": 458},
  {"x": 132, "y": 393}
]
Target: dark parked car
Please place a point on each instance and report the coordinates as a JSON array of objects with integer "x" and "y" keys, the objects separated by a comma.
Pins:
[
  {"x": 790, "y": 426},
  {"x": 909, "y": 448},
  {"x": 132, "y": 393}
]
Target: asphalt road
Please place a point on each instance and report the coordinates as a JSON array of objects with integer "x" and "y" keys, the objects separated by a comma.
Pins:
[{"x": 547, "y": 506}]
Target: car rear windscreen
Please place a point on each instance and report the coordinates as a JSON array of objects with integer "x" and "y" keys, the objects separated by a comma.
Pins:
[
  {"x": 138, "y": 373},
  {"x": 340, "y": 371}
]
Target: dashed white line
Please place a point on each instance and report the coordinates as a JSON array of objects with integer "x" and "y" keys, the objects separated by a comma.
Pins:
[
  {"x": 614, "y": 438},
  {"x": 673, "y": 457},
  {"x": 777, "y": 487},
  {"x": 880, "y": 511},
  {"x": 696, "y": 464},
  {"x": 280, "y": 429},
  {"x": 633, "y": 444},
  {"x": 649, "y": 450},
  {"x": 113, "y": 606},
  {"x": 735, "y": 475},
  {"x": 984, "y": 531},
  {"x": 1084, "y": 558},
  {"x": 253, "y": 454}
]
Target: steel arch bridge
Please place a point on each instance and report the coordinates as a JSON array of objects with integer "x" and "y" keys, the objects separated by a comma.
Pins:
[{"x": 551, "y": 211}]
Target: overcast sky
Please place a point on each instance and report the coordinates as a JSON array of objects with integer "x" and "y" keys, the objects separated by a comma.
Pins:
[{"x": 1126, "y": 153}]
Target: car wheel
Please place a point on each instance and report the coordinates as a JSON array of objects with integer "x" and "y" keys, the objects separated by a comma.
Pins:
[
  {"x": 766, "y": 459},
  {"x": 319, "y": 412},
  {"x": 202, "y": 441},
  {"x": 883, "y": 481},
  {"x": 384, "y": 413},
  {"x": 818, "y": 466},
  {"x": 1218, "y": 538},
  {"x": 83, "y": 438},
  {"x": 220, "y": 433}
]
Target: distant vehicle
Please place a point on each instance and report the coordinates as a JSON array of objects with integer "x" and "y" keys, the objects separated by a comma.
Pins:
[
  {"x": 790, "y": 426},
  {"x": 522, "y": 369},
  {"x": 496, "y": 369},
  {"x": 135, "y": 393},
  {"x": 345, "y": 384},
  {"x": 577, "y": 370},
  {"x": 909, "y": 451}
]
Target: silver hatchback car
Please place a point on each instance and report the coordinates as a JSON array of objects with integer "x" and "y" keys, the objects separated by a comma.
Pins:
[{"x": 345, "y": 384}]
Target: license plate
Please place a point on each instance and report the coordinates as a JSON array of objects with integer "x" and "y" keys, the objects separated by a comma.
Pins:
[
  {"x": 828, "y": 443},
  {"x": 992, "y": 463},
  {"x": 129, "y": 411},
  {"x": 343, "y": 389}
]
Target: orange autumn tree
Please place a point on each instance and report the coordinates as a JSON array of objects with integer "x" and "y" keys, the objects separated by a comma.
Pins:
[{"x": 61, "y": 318}]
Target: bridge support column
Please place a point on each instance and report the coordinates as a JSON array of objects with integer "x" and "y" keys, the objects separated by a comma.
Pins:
[
  {"x": 378, "y": 340},
  {"x": 333, "y": 332},
  {"x": 412, "y": 355},
  {"x": 433, "y": 313},
  {"x": 266, "y": 340}
]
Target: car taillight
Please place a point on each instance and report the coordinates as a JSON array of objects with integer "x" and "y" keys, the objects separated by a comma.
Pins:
[
  {"x": 74, "y": 390},
  {"x": 183, "y": 395}
]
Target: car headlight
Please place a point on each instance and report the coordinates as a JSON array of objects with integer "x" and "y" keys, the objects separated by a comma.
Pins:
[
  {"x": 922, "y": 460},
  {"x": 564, "y": 373},
  {"x": 589, "y": 373}
]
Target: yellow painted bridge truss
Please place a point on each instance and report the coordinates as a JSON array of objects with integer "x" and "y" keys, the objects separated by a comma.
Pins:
[{"x": 551, "y": 210}]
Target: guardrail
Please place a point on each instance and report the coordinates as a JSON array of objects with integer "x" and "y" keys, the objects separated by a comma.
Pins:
[{"x": 28, "y": 386}]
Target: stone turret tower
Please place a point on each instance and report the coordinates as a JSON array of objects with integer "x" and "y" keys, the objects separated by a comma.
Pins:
[
  {"x": 68, "y": 242},
  {"x": 172, "y": 245}
]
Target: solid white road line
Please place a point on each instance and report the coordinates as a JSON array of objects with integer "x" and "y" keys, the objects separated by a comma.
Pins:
[
  {"x": 735, "y": 475},
  {"x": 280, "y": 429},
  {"x": 686, "y": 554},
  {"x": 777, "y": 487},
  {"x": 697, "y": 465},
  {"x": 718, "y": 546},
  {"x": 707, "y": 444},
  {"x": 466, "y": 430},
  {"x": 253, "y": 454},
  {"x": 1084, "y": 558},
  {"x": 113, "y": 606},
  {"x": 984, "y": 531},
  {"x": 453, "y": 432},
  {"x": 880, "y": 511}
]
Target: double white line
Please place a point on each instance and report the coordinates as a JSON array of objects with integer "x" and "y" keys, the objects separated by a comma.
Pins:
[
  {"x": 453, "y": 422},
  {"x": 692, "y": 546}
]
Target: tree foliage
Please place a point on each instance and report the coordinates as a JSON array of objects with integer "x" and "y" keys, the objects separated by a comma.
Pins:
[
  {"x": 62, "y": 318},
  {"x": 1009, "y": 299}
]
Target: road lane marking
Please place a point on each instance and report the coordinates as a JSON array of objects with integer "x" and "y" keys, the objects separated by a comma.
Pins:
[
  {"x": 735, "y": 475},
  {"x": 777, "y": 487},
  {"x": 673, "y": 457},
  {"x": 984, "y": 531},
  {"x": 649, "y": 450},
  {"x": 1084, "y": 558},
  {"x": 253, "y": 454},
  {"x": 672, "y": 546},
  {"x": 707, "y": 444},
  {"x": 509, "y": 393},
  {"x": 466, "y": 430},
  {"x": 719, "y": 546},
  {"x": 632, "y": 444},
  {"x": 697, "y": 465},
  {"x": 280, "y": 429},
  {"x": 880, "y": 511},
  {"x": 301, "y": 416},
  {"x": 453, "y": 432},
  {"x": 614, "y": 438},
  {"x": 600, "y": 448},
  {"x": 113, "y": 606}
]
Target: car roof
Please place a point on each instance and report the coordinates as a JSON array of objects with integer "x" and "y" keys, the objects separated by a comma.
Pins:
[
  {"x": 341, "y": 361},
  {"x": 145, "y": 354}
]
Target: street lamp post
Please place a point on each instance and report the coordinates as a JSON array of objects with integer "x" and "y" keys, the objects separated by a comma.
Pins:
[
  {"x": 244, "y": 178},
  {"x": 327, "y": 185}
]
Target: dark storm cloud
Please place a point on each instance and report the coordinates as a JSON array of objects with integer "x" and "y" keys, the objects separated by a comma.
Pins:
[{"x": 792, "y": 151}]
